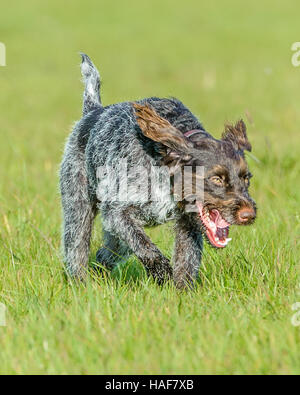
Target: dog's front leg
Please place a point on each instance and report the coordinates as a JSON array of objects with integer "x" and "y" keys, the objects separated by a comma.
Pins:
[
  {"x": 188, "y": 250},
  {"x": 124, "y": 225}
]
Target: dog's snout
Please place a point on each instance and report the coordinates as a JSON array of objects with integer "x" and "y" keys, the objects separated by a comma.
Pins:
[{"x": 246, "y": 215}]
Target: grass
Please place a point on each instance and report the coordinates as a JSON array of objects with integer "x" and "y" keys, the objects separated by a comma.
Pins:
[{"x": 225, "y": 61}]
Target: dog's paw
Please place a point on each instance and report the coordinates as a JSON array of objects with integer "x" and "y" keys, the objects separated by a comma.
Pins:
[
  {"x": 161, "y": 271},
  {"x": 106, "y": 258}
]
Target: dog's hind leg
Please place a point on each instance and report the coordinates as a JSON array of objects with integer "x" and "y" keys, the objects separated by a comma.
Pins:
[
  {"x": 112, "y": 252},
  {"x": 125, "y": 226},
  {"x": 78, "y": 209}
]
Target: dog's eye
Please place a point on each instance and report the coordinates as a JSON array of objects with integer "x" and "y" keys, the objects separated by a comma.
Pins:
[
  {"x": 217, "y": 180},
  {"x": 247, "y": 178}
]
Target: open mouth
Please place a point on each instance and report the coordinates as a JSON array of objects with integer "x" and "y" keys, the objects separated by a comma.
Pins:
[{"x": 216, "y": 228}]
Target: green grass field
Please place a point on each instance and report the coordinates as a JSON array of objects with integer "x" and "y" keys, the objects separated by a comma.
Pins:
[{"x": 225, "y": 60}]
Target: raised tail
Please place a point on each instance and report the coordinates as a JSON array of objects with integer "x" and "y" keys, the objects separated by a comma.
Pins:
[{"x": 91, "y": 79}]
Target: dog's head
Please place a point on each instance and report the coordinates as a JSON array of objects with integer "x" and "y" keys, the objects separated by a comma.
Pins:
[{"x": 222, "y": 199}]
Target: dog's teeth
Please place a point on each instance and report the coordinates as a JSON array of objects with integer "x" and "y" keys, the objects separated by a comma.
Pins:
[
  {"x": 217, "y": 239},
  {"x": 228, "y": 240}
]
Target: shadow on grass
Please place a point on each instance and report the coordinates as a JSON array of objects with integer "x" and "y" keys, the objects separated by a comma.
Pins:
[{"x": 129, "y": 272}]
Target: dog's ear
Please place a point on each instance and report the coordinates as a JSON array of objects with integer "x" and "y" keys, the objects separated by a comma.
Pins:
[
  {"x": 158, "y": 129},
  {"x": 237, "y": 135}
]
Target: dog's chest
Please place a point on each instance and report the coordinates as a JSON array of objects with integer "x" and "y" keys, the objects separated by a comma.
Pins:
[
  {"x": 160, "y": 206},
  {"x": 155, "y": 213}
]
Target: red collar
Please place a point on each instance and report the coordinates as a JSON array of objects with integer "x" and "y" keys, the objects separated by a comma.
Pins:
[{"x": 190, "y": 133}]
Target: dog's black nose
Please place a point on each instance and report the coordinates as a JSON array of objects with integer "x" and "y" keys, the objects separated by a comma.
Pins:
[{"x": 246, "y": 215}]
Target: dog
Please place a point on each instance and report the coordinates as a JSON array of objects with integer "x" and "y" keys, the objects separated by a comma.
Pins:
[{"x": 161, "y": 137}]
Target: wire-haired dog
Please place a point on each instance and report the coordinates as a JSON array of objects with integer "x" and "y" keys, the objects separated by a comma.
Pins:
[{"x": 163, "y": 137}]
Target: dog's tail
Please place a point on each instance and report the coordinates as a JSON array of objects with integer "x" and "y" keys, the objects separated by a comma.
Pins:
[{"x": 91, "y": 79}]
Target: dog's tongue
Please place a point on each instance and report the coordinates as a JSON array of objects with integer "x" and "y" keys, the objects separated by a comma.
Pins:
[{"x": 218, "y": 220}]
